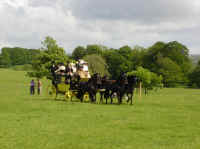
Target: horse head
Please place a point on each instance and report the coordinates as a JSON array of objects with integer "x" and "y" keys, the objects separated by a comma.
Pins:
[
  {"x": 122, "y": 79},
  {"x": 96, "y": 78},
  {"x": 132, "y": 79}
]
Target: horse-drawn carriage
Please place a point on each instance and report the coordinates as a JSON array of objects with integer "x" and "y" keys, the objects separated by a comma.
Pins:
[
  {"x": 75, "y": 80},
  {"x": 66, "y": 79}
]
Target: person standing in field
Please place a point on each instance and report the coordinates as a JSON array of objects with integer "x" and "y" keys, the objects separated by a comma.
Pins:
[
  {"x": 39, "y": 87},
  {"x": 32, "y": 87}
]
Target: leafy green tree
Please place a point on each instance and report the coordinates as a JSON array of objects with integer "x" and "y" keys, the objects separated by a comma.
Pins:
[
  {"x": 151, "y": 56},
  {"x": 149, "y": 79},
  {"x": 176, "y": 52},
  {"x": 144, "y": 75},
  {"x": 5, "y": 60},
  {"x": 137, "y": 57},
  {"x": 171, "y": 72},
  {"x": 116, "y": 63},
  {"x": 17, "y": 56},
  {"x": 125, "y": 51},
  {"x": 49, "y": 53},
  {"x": 194, "y": 77},
  {"x": 96, "y": 64},
  {"x": 78, "y": 53},
  {"x": 173, "y": 54},
  {"x": 94, "y": 49}
]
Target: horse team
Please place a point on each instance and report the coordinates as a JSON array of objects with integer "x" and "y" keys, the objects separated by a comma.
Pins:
[{"x": 122, "y": 87}]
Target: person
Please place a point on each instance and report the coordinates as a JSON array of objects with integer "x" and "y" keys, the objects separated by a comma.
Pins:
[
  {"x": 32, "y": 87},
  {"x": 60, "y": 73},
  {"x": 53, "y": 68},
  {"x": 39, "y": 87},
  {"x": 85, "y": 67},
  {"x": 61, "y": 69}
]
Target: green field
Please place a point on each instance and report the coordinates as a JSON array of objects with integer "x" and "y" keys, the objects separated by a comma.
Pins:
[{"x": 168, "y": 119}]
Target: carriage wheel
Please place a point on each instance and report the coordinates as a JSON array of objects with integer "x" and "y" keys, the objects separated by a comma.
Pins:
[
  {"x": 68, "y": 95},
  {"x": 51, "y": 91},
  {"x": 73, "y": 94},
  {"x": 86, "y": 97}
]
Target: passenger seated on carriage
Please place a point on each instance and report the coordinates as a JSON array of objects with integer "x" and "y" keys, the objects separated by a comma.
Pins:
[
  {"x": 53, "y": 68},
  {"x": 61, "y": 69},
  {"x": 57, "y": 71},
  {"x": 83, "y": 69},
  {"x": 71, "y": 69}
]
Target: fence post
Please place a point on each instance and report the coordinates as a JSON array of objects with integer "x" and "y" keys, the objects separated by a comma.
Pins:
[{"x": 140, "y": 89}]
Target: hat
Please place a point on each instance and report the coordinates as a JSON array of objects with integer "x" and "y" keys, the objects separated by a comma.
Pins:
[{"x": 62, "y": 68}]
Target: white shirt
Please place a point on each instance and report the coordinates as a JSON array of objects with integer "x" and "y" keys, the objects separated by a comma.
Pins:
[{"x": 85, "y": 68}]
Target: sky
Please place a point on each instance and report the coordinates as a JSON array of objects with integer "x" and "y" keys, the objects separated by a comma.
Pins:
[{"x": 112, "y": 23}]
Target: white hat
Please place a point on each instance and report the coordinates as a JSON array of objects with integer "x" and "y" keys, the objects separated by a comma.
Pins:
[
  {"x": 62, "y": 68},
  {"x": 81, "y": 61}
]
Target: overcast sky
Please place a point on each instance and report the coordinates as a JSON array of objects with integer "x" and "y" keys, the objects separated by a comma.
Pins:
[{"x": 113, "y": 23}]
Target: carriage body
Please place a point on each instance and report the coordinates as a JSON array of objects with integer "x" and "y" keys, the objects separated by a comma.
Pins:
[
  {"x": 63, "y": 77},
  {"x": 63, "y": 87},
  {"x": 60, "y": 87}
]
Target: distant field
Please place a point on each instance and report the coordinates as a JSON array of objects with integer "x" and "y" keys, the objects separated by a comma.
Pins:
[{"x": 168, "y": 119}]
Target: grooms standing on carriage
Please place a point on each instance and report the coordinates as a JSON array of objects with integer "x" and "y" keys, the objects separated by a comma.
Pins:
[{"x": 83, "y": 71}]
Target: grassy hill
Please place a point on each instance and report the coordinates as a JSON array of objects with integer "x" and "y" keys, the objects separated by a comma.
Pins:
[{"x": 167, "y": 119}]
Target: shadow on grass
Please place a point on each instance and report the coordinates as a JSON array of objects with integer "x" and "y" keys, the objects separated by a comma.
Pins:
[{"x": 76, "y": 100}]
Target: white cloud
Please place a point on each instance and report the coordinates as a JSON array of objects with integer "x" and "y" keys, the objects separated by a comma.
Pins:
[{"x": 25, "y": 23}]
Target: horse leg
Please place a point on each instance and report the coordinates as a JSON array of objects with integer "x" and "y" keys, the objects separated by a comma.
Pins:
[
  {"x": 101, "y": 97},
  {"x": 56, "y": 94},
  {"x": 91, "y": 97},
  {"x": 128, "y": 97},
  {"x": 95, "y": 97},
  {"x": 111, "y": 97},
  {"x": 131, "y": 98},
  {"x": 106, "y": 96},
  {"x": 118, "y": 98},
  {"x": 81, "y": 98}
]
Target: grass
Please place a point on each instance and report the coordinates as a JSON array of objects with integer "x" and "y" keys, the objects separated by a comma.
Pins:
[{"x": 167, "y": 119}]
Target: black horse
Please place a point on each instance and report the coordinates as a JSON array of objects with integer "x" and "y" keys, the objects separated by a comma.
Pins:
[
  {"x": 117, "y": 87},
  {"x": 105, "y": 88},
  {"x": 130, "y": 87},
  {"x": 120, "y": 87},
  {"x": 91, "y": 87}
]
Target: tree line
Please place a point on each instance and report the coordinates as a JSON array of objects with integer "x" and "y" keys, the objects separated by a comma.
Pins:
[
  {"x": 170, "y": 60},
  {"x": 17, "y": 56}
]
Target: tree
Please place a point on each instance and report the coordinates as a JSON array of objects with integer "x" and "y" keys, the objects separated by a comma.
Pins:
[
  {"x": 49, "y": 53},
  {"x": 17, "y": 56},
  {"x": 94, "y": 49},
  {"x": 125, "y": 51},
  {"x": 137, "y": 57},
  {"x": 171, "y": 72},
  {"x": 5, "y": 60},
  {"x": 169, "y": 59},
  {"x": 194, "y": 77},
  {"x": 149, "y": 79},
  {"x": 78, "y": 53},
  {"x": 96, "y": 64},
  {"x": 116, "y": 63}
]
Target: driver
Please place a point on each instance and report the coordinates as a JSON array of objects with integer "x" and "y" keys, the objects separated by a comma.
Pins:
[{"x": 61, "y": 69}]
